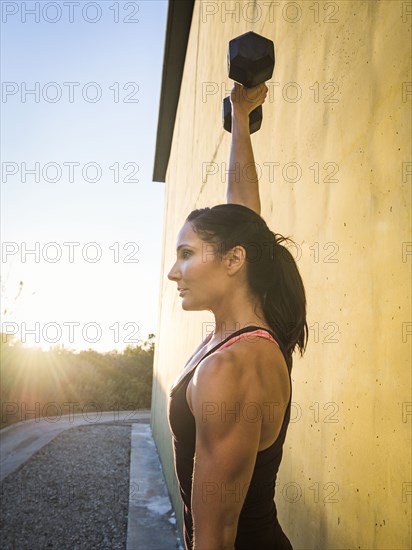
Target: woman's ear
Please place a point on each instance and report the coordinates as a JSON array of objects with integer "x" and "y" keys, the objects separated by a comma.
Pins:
[{"x": 235, "y": 259}]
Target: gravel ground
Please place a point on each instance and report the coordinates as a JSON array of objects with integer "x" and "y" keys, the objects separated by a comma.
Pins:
[{"x": 56, "y": 500}]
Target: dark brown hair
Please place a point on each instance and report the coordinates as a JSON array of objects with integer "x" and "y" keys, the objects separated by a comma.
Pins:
[{"x": 271, "y": 270}]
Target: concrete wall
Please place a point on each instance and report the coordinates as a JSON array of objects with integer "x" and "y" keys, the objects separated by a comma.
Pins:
[{"x": 338, "y": 122}]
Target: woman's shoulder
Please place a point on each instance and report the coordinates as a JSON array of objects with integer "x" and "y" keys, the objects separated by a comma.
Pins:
[
  {"x": 249, "y": 355},
  {"x": 254, "y": 371}
]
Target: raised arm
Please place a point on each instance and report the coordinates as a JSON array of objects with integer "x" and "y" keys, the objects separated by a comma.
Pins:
[{"x": 243, "y": 183}]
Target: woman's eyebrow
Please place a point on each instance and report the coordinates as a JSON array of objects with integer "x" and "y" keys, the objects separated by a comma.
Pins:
[{"x": 182, "y": 245}]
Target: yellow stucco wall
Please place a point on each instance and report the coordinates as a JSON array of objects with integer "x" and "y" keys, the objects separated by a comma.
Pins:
[{"x": 338, "y": 115}]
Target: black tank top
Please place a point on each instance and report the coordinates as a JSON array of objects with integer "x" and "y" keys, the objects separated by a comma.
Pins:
[{"x": 258, "y": 527}]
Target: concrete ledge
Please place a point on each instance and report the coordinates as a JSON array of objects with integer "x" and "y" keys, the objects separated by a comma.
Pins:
[{"x": 151, "y": 519}]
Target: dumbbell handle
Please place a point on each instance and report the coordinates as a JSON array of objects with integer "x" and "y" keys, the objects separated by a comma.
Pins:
[{"x": 255, "y": 117}]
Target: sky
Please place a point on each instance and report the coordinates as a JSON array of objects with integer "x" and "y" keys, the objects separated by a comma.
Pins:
[{"x": 82, "y": 220}]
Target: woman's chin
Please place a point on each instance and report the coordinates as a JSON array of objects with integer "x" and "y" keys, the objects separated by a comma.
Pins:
[{"x": 187, "y": 306}]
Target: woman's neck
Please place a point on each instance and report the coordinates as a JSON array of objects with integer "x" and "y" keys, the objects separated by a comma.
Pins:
[
  {"x": 223, "y": 330},
  {"x": 236, "y": 311}
]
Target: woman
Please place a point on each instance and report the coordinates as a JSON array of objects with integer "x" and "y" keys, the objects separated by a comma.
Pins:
[{"x": 229, "y": 409}]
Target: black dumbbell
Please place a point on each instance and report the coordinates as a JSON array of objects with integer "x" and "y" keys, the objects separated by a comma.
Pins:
[{"x": 250, "y": 61}]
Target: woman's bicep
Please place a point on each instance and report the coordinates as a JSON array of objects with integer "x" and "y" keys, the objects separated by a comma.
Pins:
[{"x": 226, "y": 445}]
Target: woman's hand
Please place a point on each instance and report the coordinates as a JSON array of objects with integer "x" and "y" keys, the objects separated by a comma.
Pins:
[{"x": 244, "y": 100}]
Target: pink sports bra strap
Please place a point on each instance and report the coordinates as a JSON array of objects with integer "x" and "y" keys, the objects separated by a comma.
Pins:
[{"x": 259, "y": 333}]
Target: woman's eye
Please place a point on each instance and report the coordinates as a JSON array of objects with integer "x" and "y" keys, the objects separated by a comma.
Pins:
[{"x": 186, "y": 253}]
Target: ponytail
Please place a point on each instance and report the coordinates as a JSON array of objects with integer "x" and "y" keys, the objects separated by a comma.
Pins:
[{"x": 284, "y": 302}]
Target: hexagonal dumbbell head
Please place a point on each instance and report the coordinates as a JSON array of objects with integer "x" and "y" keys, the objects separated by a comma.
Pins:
[{"x": 251, "y": 59}]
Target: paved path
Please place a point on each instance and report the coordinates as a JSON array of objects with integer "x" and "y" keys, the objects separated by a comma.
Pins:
[
  {"x": 151, "y": 519},
  {"x": 20, "y": 440}
]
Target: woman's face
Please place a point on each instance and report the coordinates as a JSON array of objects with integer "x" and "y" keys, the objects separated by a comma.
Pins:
[{"x": 196, "y": 270}]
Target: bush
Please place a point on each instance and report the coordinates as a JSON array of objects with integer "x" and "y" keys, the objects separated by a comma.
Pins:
[{"x": 36, "y": 383}]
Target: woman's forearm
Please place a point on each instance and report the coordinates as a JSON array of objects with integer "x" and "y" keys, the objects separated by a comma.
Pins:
[
  {"x": 215, "y": 514},
  {"x": 243, "y": 184}
]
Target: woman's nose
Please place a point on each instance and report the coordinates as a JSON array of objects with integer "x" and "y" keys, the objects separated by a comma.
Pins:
[{"x": 172, "y": 275}]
